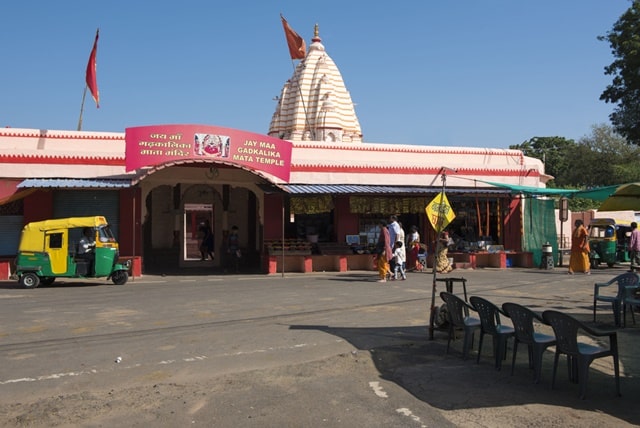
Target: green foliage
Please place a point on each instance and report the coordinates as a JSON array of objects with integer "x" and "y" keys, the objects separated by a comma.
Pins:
[
  {"x": 624, "y": 91},
  {"x": 580, "y": 204},
  {"x": 611, "y": 160},
  {"x": 603, "y": 158},
  {"x": 555, "y": 152}
]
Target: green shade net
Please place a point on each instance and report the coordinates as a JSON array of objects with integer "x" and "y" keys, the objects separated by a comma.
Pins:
[
  {"x": 539, "y": 227},
  {"x": 598, "y": 194}
]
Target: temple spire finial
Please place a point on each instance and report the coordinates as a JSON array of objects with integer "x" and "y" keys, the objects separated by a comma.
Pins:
[{"x": 315, "y": 31}]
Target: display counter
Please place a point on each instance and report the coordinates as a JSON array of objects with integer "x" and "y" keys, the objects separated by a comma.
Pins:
[{"x": 499, "y": 259}]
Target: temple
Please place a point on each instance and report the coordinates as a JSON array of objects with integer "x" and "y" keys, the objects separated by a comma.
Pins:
[{"x": 305, "y": 196}]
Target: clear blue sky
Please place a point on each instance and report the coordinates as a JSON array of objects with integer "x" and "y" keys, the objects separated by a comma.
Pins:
[{"x": 450, "y": 73}]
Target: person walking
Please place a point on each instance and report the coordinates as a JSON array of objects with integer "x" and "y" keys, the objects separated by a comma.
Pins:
[
  {"x": 579, "y": 259},
  {"x": 383, "y": 252},
  {"x": 233, "y": 249},
  {"x": 399, "y": 256},
  {"x": 394, "y": 229},
  {"x": 634, "y": 247},
  {"x": 207, "y": 245}
]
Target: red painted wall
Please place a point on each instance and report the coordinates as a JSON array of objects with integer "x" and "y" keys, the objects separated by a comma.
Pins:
[
  {"x": 512, "y": 223},
  {"x": 273, "y": 216},
  {"x": 130, "y": 229},
  {"x": 344, "y": 222}
]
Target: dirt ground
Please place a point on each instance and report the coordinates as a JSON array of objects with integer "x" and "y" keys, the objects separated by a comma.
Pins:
[{"x": 408, "y": 384}]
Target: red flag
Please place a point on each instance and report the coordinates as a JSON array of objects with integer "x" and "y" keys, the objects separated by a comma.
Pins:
[
  {"x": 92, "y": 83},
  {"x": 297, "y": 47}
]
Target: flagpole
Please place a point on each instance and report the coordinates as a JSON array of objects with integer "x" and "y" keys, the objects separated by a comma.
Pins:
[
  {"x": 304, "y": 107},
  {"x": 90, "y": 79},
  {"x": 297, "y": 50},
  {"x": 84, "y": 95}
]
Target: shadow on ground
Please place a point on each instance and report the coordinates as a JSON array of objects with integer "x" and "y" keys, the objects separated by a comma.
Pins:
[{"x": 406, "y": 356}]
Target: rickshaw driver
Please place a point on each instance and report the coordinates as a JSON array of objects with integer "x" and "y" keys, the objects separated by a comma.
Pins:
[{"x": 86, "y": 246}]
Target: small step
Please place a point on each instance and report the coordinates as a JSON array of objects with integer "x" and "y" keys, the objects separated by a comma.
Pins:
[{"x": 462, "y": 265}]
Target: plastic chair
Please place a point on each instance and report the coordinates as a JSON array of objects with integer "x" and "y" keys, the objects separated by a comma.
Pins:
[
  {"x": 629, "y": 279},
  {"x": 458, "y": 317},
  {"x": 631, "y": 298},
  {"x": 490, "y": 324},
  {"x": 580, "y": 355},
  {"x": 537, "y": 343}
]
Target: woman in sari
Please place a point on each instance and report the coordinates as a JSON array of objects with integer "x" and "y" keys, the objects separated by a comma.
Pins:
[
  {"x": 579, "y": 259},
  {"x": 384, "y": 253},
  {"x": 442, "y": 261},
  {"x": 413, "y": 246}
]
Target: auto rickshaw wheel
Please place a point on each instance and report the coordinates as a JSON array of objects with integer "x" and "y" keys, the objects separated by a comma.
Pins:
[
  {"x": 29, "y": 280},
  {"x": 120, "y": 277},
  {"x": 611, "y": 264},
  {"x": 47, "y": 280}
]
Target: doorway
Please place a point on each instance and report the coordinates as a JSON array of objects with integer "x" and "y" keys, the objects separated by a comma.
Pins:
[{"x": 196, "y": 217}]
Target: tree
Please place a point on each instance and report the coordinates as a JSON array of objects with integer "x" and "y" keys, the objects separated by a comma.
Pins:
[
  {"x": 603, "y": 158},
  {"x": 607, "y": 159},
  {"x": 624, "y": 91},
  {"x": 556, "y": 154}
]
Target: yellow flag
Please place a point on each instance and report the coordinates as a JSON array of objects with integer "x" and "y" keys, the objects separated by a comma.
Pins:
[{"x": 439, "y": 212}]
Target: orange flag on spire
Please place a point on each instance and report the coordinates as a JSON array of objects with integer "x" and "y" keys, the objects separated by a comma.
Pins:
[
  {"x": 92, "y": 83},
  {"x": 297, "y": 46}
]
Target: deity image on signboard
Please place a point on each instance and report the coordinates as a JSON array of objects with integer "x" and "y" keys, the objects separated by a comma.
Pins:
[{"x": 211, "y": 145}]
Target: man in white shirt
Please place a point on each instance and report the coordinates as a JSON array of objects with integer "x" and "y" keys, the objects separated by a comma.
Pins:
[{"x": 394, "y": 229}]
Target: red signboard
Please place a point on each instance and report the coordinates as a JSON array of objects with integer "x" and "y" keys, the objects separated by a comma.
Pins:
[{"x": 154, "y": 145}]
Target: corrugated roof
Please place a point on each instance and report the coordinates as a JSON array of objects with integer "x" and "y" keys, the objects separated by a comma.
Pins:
[
  {"x": 314, "y": 189},
  {"x": 91, "y": 183}
]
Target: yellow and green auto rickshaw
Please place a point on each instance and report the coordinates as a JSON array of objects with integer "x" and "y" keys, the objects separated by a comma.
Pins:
[
  {"x": 49, "y": 249},
  {"x": 608, "y": 240}
]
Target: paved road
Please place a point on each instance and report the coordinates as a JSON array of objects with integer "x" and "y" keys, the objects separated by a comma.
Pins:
[{"x": 299, "y": 350}]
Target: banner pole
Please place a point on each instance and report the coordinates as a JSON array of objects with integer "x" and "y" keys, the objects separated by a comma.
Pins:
[
  {"x": 84, "y": 95},
  {"x": 437, "y": 249}
]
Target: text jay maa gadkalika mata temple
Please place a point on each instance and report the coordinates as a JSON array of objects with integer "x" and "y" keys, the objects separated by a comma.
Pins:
[{"x": 154, "y": 145}]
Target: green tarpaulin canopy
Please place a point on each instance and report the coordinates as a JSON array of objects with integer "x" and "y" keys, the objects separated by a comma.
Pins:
[{"x": 597, "y": 194}]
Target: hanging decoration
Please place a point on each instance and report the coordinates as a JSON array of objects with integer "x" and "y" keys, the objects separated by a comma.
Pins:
[
  {"x": 311, "y": 204},
  {"x": 385, "y": 205}
]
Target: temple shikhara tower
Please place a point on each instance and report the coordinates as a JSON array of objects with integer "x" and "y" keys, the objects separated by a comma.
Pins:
[{"x": 314, "y": 104}]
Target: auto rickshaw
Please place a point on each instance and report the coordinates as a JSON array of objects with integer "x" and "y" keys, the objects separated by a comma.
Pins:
[
  {"x": 49, "y": 249},
  {"x": 608, "y": 240}
]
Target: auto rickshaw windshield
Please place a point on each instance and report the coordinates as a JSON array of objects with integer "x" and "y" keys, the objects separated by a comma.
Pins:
[
  {"x": 602, "y": 231},
  {"x": 105, "y": 234}
]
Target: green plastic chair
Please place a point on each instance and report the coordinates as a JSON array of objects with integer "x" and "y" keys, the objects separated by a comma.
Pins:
[
  {"x": 458, "y": 316},
  {"x": 537, "y": 343},
  {"x": 580, "y": 355},
  {"x": 490, "y": 324},
  {"x": 629, "y": 279}
]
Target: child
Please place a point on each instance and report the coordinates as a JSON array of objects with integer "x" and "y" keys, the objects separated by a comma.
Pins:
[{"x": 400, "y": 258}]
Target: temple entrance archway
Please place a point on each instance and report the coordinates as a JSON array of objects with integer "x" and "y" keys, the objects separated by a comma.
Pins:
[{"x": 175, "y": 211}]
